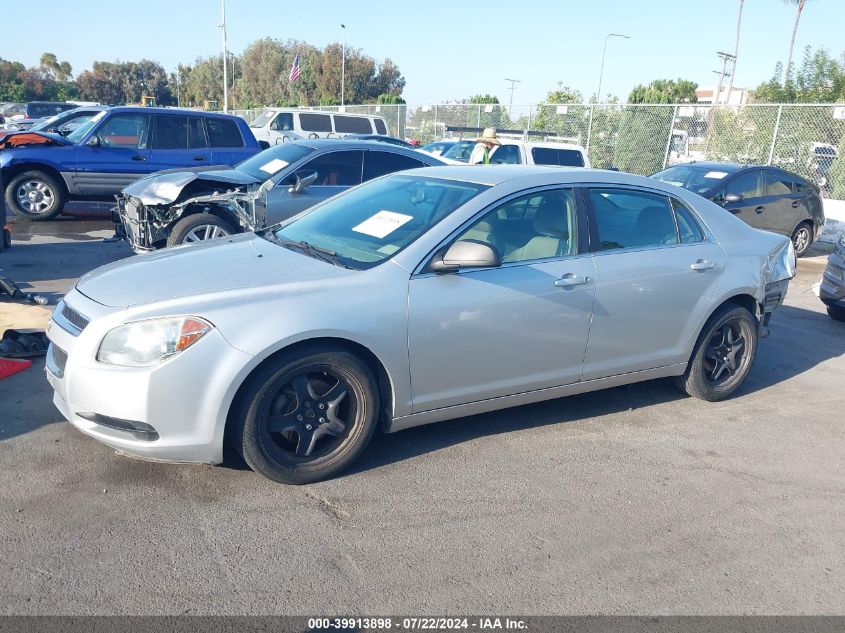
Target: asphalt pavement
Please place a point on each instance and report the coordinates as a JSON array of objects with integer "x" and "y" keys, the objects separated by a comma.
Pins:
[{"x": 635, "y": 500}]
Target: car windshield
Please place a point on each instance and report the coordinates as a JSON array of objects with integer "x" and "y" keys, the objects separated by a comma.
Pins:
[
  {"x": 262, "y": 119},
  {"x": 373, "y": 222},
  {"x": 697, "y": 178},
  {"x": 272, "y": 161},
  {"x": 460, "y": 151},
  {"x": 82, "y": 131}
]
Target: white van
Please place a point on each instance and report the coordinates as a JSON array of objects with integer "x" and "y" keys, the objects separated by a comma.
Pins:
[
  {"x": 514, "y": 152},
  {"x": 279, "y": 125}
]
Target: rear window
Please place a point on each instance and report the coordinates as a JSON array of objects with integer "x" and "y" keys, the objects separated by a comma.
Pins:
[
  {"x": 551, "y": 156},
  {"x": 352, "y": 124},
  {"x": 41, "y": 110},
  {"x": 315, "y": 122},
  {"x": 223, "y": 133},
  {"x": 381, "y": 128}
]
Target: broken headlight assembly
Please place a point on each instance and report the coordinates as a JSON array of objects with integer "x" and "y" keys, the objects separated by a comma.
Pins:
[{"x": 150, "y": 342}]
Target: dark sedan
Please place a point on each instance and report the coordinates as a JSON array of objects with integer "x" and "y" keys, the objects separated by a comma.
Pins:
[{"x": 765, "y": 197}]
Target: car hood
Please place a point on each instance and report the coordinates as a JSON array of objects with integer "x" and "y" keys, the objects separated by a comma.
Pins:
[
  {"x": 16, "y": 138},
  {"x": 165, "y": 187},
  {"x": 214, "y": 268}
]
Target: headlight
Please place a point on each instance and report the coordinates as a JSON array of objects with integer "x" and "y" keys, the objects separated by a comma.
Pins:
[{"x": 150, "y": 342}]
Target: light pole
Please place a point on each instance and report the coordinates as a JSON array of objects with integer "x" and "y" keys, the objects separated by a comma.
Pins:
[
  {"x": 513, "y": 85},
  {"x": 601, "y": 75},
  {"x": 342, "y": 64},
  {"x": 225, "y": 73}
]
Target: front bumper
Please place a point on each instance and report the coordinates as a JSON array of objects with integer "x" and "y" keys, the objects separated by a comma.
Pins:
[
  {"x": 175, "y": 411},
  {"x": 832, "y": 289},
  {"x": 133, "y": 225}
]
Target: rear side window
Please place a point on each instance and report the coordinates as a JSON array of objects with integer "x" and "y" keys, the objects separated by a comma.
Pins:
[
  {"x": 688, "y": 229},
  {"x": 337, "y": 169},
  {"x": 315, "y": 122},
  {"x": 380, "y": 163},
  {"x": 352, "y": 124},
  {"x": 223, "y": 133},
  {"x": 550, "y": 156},
  {"x": 747, "y": 185},
  {"x": 381, "y": 128},
  {"x": 801, "y": 186},
  {"x": 778, "y": 184},
  {"x": 170, "y": 132},
  {"x": 505, "y": 155},
  {"x": 632, "y": 219},
  {"x": 196, "y": 133}
]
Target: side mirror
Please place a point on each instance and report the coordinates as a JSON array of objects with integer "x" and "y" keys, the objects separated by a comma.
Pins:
[
  {"x": 731, "y": 198},
  {"x": 467, "y": 254},
  {"x": 303, "y": 179},
  {"x": 94, "y": 141}
]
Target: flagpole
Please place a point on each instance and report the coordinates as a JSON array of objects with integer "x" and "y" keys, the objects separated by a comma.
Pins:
[{"x": 342, "y": 64}]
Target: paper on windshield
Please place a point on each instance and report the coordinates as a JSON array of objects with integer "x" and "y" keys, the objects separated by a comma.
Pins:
[
  {"x": 715, "y": 174},
  {"x": 274, "y": 165},
  {"x": 382, "y": 224}
]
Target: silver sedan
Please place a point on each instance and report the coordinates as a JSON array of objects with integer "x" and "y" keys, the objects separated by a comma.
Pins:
[{"x": 417, "y": 297}]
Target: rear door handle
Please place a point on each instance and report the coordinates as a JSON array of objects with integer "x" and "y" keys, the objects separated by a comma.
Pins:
[
  {"x": 796, "y": 204},
  {"x": 199, "y": 157},
  {"x": 139, "y": 158},
  {"x": 759, "y": 209},
  {"x": 571, "y": 279},
  {"x": 702, "y": 264}
]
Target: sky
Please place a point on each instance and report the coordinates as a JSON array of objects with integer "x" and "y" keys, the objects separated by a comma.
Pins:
[{"x": 451, "y": 50}]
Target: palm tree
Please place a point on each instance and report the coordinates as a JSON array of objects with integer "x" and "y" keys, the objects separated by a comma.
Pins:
[
  {"x": 800, "y": 5},
  {"x": 736, "y": 52}
]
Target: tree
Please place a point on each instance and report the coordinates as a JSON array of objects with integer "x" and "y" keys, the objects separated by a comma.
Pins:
[
  {"x": 799, "y": 4},
  {"x": 820, "y": 79},
  {"x": 483, "y": 99},
  {"x": 60, "y": 71},
  {"x": 390, "y": 99},
  {"x": 665, "y": 91}
]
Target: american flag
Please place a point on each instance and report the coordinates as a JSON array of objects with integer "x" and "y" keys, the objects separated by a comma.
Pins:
[{"x": 294, "y": 70}]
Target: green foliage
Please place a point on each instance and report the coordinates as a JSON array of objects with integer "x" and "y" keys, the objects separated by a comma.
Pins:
[
  {"x": 820, "y": 79},
  {"x": 390, "y": 99},
  {"x": 636, "y": 149},
  {"x": 483, "y": 99},
  {"x": 665, "y": 91},
  {"x": 837, "y": 178}
]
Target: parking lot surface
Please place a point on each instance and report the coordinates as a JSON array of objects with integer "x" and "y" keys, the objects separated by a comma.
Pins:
[{"x": 631, "y": 500}]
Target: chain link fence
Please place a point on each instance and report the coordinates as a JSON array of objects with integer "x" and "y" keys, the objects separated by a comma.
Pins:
[{"x": 808, "y": 139}]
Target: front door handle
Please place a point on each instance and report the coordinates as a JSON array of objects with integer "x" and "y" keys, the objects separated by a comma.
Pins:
[
  {"x": 571, "y": 279},
  {"x": 199, "y": 157},
  {"x": 139, "y": 157},
  {"x": 702, "y": 264},
  {"x": 759, "y": 209}
]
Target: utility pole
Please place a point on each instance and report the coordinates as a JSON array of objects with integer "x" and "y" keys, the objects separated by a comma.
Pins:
[
  {"x": 598, "y": 92},
  {"x": 225, "y": 55},
  {"x": 513, "y": 85},
  {"x": 343, "y": 65},
  {"x": 725, "y": 58},
  {"x": 736, "y": 52}
]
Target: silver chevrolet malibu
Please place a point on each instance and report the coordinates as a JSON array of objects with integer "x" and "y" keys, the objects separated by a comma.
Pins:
[{"x": 422, "y": 296}]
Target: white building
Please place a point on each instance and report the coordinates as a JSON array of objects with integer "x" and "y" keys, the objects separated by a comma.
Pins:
[{"x": 739, "y": 96}]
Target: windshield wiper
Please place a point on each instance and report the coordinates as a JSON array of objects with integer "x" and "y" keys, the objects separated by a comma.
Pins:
[{"x": 317, "y": 252}]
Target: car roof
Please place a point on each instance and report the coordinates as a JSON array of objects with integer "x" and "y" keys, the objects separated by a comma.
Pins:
[
  {"x": 730, "y": 168},
  {"x": 351, "y": 143},
  {"x": 171, "y": 111},
  {"x": 497, "y": 174},
  {"x": 543, "y": 144}
]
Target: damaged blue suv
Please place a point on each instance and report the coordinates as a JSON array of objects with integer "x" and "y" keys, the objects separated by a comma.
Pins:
[{"x": 43, "y": 171}]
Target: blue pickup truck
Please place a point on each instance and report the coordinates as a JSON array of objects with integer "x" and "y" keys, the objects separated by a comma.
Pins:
[{"x": 97, "y": 160}]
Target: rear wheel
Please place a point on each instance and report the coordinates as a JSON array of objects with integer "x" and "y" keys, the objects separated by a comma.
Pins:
[
  {"x": 836, "y": 313},
  {"x": 199, "y": 228},
  {"x": 307, "y": 415},
  {"x": 35, "y": 195},
  {"x": 723, "y": 355},
  {"x": 802, "y": 238}
]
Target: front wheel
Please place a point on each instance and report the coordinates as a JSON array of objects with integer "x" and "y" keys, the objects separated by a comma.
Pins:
[
  {"x": 35, "y": 195},
  {"x": 199, "y": 227},
  {"x": 837, "y": 313},
  {"x": 802, "y": 238},
  {"x": 306, "y": 416},
  {"x": 723, "y": 355}
]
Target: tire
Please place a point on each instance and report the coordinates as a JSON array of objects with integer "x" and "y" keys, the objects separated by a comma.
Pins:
[
  {"x": 299, "y": 433},
  {"x": 802, "y": 238},
  {"x": 199, "y": 227},
  {"x": 46, "y": 196},
  {"x": 708, "y": 376},
  {"x": 837, "y": 313}
]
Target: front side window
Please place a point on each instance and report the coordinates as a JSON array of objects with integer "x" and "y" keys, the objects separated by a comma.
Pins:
[
  {"x": 352, "y": 124},
  {"x": 506, "y": 155},
  {"x": 551, "y": 156},
  {"x": 223, "y": 133},
  {"x": 380, "y": 163},
  {"x": 337, "y": 169},
  {"x": 461, "y": 151},
  {"x": 540, "y": 225},
  {"x": 127, "y": 131},
  {"x": 283, "y": 122},
  {"x": 171, "y": 132},
  {"x": 381, "y": 128},
  {"x": 372, "y": 223},
  {"x": 747, "y": 185},
  {"x": 315, "y": 122},
  {"x": 632, "y": 219}
]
